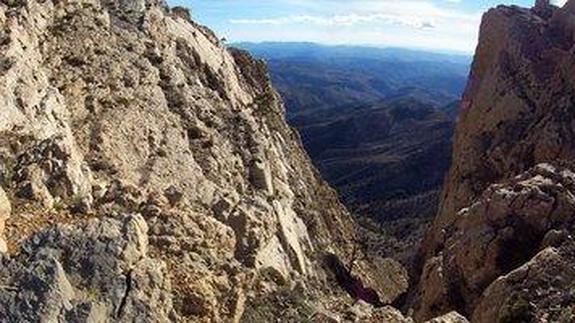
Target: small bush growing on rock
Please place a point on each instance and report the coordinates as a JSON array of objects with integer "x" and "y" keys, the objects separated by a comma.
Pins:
[
  {"x": 182, "y": 12},
  {"x": 59, "y": 206},
  {"x": 517, "y": 310},
  {"x": 6, "y": 172},
  {"x": 290, "y": 305},
  {"x": 272, "y": 275},
  {"x": 15, "y": 3}
]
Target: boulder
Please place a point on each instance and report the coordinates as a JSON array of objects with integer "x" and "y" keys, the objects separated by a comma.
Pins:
[
  {"x": 506, "y": 229},
  {"x": 539, "y": 290},
  {"x": 46, "y": 292},
  {"x": 452, "y": 317},
  {"x": 5, "y": 212},
  {"x": 99, "y": 270}
]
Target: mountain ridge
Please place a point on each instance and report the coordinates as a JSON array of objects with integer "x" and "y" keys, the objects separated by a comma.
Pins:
[
  {"x": 295, "y": 49},
  {"x": 385, "y": 150},
  {"x": 314, "y": 77},
  {"x": 148, "y": 174}
]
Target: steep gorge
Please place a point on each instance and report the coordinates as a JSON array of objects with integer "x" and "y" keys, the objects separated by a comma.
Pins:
[{"x": 147, "y": 174}]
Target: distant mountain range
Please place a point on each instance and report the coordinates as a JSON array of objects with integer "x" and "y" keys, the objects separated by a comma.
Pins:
[
  {"x": 378, "y": 124},
  {"x": 314, "y": 77},
  {"x": 284, "y": 50}
]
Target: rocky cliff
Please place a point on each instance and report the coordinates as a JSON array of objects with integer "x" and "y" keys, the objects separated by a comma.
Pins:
[
  {"x": 501, "y": 247},
  {"x": 147, "y": 173}
]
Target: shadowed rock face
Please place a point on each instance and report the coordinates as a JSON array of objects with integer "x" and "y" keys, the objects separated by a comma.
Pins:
[
  {"x": 517, "y": 112},
  {"x": 122, "y": 107},
  {"x": 520, "y": 223},
  {"x": 96, "y": 271}
]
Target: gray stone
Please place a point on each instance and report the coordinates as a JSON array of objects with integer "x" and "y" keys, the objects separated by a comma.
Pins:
[
  {"x": 45, "y": 292},
  {"x": 134, "y": 6},
  {"x": 88, "y": 312},
  {"x": 261, "y": 176},
  {"x": 108, "y": 263},
  {"x": 5, "y": 212},
  {"x": 452, "y": 317}
]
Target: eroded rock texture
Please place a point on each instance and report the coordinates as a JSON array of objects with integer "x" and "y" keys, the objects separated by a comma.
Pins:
[
  {"x": 508, "y": 255},
  {"x": 124, "y": 107},
  {"x": 94, "y": 272},
  {"x": 500, "y": 247}
]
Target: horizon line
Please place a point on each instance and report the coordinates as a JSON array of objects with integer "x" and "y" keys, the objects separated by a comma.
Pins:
[{"x": 372, "y": 46}]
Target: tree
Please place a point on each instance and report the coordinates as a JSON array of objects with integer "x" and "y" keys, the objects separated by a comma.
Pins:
[{"x": 359, "y": 252}]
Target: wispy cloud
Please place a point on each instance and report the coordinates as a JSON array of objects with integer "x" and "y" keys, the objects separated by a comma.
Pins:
[
  {"x": 417, "y": 14},
  {"x": 441, "y": 24},
  {"x": 342, "y": 20}
]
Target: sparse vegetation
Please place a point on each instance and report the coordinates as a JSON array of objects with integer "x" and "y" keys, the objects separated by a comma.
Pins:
[
  {"x": 272, "y": 275},
  {"x": 285, "y": 305},
  {"x": 6, "y": 171},
  {"x": 59, "y": 205},
  {"x": 15, "y": 3},
  {"x": 359, "y": 252},
  {"x": 517, "y": 310}
]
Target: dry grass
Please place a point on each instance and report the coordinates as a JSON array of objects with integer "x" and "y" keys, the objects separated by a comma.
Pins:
[{"x": 28, "y": 218}]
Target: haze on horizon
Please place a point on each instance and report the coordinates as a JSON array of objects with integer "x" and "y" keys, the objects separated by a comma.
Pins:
[{"x": 440, "y": 25}]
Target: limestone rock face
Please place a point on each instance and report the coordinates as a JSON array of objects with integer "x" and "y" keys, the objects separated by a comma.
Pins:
[
  {"x": 99, "y": 270},
  {"x": 509, "y": 189},
  {"x": 5, "y": 211},
  {"x": 504, "y": 247},
  {"x": 541, "y": 289},
  {"x": 124, "y": 107},
  {"x": 452, "y": 317}
]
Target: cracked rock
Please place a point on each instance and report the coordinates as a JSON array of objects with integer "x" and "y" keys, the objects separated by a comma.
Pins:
[
  {"x": 5, "y": 211},
  {"x": 98, "y": 270}
]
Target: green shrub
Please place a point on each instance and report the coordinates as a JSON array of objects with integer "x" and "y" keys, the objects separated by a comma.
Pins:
[
  {"x": 15, "y": 3},
  {"x": 285, "y": 305},
  {"x": 518, "y": 309}
]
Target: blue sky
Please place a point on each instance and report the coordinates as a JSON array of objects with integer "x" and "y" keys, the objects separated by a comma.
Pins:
[{"x": 426, "y": 24}]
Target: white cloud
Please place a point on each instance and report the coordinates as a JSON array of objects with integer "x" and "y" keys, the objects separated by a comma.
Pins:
[
  {"x": 406, "y": 23},
  {"x": 410, "y": 13},
  {"x": 343, "y": 20}
]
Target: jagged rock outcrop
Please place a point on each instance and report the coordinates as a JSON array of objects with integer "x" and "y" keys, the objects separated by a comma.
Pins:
[
  {"x": 451, "y": 317},
  {"x": 5, "y": 211},
  {"x": 125, "y": 107},
  {"x": 93, "y": 272},
  {"x": 525, "y": 223},
  {"x": 508, "y": 201},
  {"x": 540, "y": 290},
  {"x": 543, "y": 8}
]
